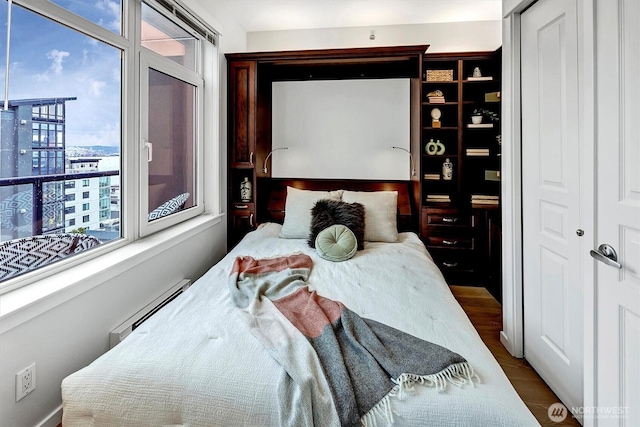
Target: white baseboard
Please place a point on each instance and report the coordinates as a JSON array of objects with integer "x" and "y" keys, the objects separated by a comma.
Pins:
[
  {"x": 504, "y": 339},
  {"x": 53, "y": 419}
]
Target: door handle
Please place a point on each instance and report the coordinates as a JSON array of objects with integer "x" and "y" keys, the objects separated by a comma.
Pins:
[
  {"x": 606, "y": 254},
  {"x": 149, "y": 147}
]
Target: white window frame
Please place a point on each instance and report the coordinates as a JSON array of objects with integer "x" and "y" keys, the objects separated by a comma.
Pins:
[
  {"x": 27, "y": 289},
  {"x": 151, "y": 60}
]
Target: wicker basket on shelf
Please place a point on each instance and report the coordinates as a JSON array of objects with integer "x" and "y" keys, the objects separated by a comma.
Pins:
[{"x": 439, "y": 75}]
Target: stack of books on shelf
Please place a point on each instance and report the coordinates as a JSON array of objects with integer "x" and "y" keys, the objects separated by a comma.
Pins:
[
  {"x": 432, "y": 176},
  {"x": 438, "y": 198},
  {"x": 436, "y": 97},
  {"x": 479, "y": 125},
  {"x": 484, "y": 199},
  {"x": 477, "y": 152}
]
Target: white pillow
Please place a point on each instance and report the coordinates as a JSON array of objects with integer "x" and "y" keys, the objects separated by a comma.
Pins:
[
  {"x": 297, "y": 211},
  {"x": 380, "y": 213}
]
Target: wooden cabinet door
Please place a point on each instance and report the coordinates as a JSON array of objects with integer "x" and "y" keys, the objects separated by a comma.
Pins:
[
  {"x": 242, "y": 113},
  {"x": 242, "y": 222}
]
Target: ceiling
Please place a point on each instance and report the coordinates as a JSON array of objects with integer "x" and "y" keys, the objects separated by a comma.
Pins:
[{"x": 270, "y": 15}]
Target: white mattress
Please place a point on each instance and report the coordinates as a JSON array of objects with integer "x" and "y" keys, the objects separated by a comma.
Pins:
[{"x": 195, "y": 364}]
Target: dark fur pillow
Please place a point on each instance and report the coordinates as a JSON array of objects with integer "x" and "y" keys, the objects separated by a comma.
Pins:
[{"x": 326, "y": 213}]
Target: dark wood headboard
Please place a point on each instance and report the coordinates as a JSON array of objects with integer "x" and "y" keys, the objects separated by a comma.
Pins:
[{"x": 273, "y": 208}]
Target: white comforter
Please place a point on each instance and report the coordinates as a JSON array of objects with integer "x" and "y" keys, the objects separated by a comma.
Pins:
[{"x": 195, "y": 364}]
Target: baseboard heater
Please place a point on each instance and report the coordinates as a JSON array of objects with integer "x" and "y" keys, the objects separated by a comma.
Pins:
[{"x": 122, "y": 331}]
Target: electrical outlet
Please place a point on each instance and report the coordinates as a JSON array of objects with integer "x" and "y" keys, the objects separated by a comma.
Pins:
[{"x": 25, "y": 381}]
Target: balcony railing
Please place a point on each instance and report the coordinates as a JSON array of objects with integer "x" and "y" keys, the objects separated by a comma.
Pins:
[{"x": 37, "y": 193}]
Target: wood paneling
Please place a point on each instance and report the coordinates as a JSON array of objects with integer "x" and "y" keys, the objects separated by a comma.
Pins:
[{"x": 242, "y": 112}]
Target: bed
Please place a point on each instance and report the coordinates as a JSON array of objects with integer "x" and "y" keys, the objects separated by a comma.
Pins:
[{"x": 195, "y": 363}]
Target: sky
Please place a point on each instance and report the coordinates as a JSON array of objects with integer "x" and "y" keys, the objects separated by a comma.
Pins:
[{"x": 50, "y": 60}]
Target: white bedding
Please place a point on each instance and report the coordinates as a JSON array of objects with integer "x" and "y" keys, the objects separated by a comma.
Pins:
[{"x": 195, "y": 364}]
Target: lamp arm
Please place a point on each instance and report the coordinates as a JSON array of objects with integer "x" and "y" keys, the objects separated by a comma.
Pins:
[
  {"x": 264, "y": 167},
  {"x": 413, "y": 165}
]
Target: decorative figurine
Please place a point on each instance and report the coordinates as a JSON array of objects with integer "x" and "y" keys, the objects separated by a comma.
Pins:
[
  {"x": 477, "y": 72},
  {"x": 447, "y": 170},
  {"x": 245, "y": 190}
]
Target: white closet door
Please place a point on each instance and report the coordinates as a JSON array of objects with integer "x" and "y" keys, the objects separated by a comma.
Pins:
[
  {"x": 553, "y": 315},
  {"x": 618, "y": 196}
]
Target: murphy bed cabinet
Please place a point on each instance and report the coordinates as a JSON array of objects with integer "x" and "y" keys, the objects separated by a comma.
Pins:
[{"x": 463, "y": 237}]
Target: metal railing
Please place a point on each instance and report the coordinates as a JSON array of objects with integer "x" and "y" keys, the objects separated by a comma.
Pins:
[{"x": 38, "y": 182}]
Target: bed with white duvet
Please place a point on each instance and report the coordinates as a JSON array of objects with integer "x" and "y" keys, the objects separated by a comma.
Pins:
[{"x": 195, "y": 363}]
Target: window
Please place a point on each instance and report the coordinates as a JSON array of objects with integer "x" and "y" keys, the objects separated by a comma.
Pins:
[
  {"x": 172, "y": 95},
  {"x": 45, "y": 135},
  {"x": 105, "y": 13},
  {"x": 66, "y": 104},
  {"x": 168, "y": 39},
  {"x": 173, "y": 140}
]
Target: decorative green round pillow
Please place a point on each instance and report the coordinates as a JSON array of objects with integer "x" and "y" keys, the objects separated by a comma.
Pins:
[{"x": 336, "y": 243}]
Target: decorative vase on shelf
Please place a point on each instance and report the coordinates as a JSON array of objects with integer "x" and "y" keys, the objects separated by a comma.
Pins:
[
  {"x": 431, "y": 148},
  {"x": 245, "y": 190},
  {"x": 476, "y": 119},
  {"x": 447, "y": 170}
]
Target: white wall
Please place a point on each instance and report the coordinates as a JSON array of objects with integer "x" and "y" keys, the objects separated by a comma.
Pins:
[
  {"x": 444, "y": 37},
  {"x": 74, "y": 333}
]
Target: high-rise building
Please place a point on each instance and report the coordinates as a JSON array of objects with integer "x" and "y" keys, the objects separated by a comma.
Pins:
[
  {"x": 87, "y": 200},
  {"x": 32, "y": 144}
]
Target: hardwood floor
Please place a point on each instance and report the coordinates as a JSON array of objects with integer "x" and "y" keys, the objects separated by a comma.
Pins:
[{"x": 486, "y": 315}]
